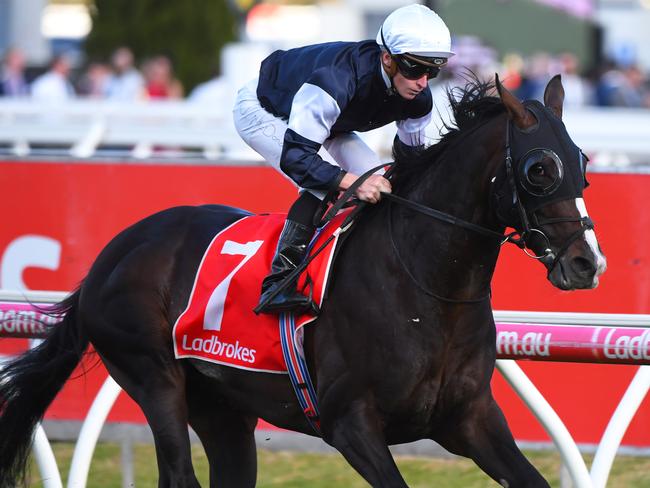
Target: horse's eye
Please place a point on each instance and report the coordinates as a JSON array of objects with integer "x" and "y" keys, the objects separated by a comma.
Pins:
[
  {"x": 537, "y": 170},
  {"x": 540, "y": 172}
]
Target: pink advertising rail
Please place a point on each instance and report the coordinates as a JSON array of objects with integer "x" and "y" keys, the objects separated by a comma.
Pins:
[
  {"x": 520, "y": 335},
  {"x": 573, "y": 337},
  {"x": 573, "y": 343},
  {"x": 25, "y": 320}
]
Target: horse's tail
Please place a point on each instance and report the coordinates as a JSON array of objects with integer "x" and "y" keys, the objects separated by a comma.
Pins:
[{"x": 29, "y": 383}]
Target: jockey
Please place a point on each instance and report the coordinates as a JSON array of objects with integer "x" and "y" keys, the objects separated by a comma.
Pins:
[{"x": 315, "y": 97}]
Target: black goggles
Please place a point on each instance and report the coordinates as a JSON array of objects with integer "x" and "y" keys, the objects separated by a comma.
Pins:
[{"x": 411, "y": 69}]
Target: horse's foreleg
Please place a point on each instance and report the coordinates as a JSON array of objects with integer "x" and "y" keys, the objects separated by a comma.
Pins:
[
  {"x": 228, "y": 438},
  {"x": 482, "y": 434},
  {"x": 354, "y": 429}
]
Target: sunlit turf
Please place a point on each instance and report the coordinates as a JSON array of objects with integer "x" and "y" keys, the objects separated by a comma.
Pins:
[{"x": 294, "y": 470}]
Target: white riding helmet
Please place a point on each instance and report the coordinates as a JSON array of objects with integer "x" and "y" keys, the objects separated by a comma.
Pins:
[{"x": 417, "y": 30}]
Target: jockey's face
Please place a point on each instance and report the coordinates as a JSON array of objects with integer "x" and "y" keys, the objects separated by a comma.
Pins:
[
  {"x": 409, "y": 89},
  {"x": 406, "y": 88}
]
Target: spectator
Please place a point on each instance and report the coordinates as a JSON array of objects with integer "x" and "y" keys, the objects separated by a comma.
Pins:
[
  {"x": 215, "y": 91},
  {"x": 622, "y": 87},
  {"x": 54, "y": 86},
  {"x": 609, "y": 80},
  {"x": 12, "y": 78},
  {"x": 126, "y": 83},
  {"x": 576, "y": 88},
  {"x": 536, "y": 74},
  {"x": 513, "y": 66},
  {"x": 631, "y": 92},
  {"x": 159, "y": 79},
  {"x": 94, "y": 82}
]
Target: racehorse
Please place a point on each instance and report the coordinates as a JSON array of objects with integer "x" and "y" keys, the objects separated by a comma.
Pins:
[{"x": 404, "y": 346}]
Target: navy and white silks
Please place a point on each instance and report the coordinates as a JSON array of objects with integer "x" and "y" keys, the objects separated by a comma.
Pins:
[{"x": 320, "y": 95}]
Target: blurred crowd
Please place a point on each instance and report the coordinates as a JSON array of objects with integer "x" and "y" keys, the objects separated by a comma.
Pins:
[
  {"x": 607, "y": 85},
  {"x": 122, "y": 79},
  {"x": 119, "y": 80}
]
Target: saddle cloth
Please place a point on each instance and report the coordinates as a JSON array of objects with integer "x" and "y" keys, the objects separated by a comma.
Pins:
[{"x": 218, "y": 324}]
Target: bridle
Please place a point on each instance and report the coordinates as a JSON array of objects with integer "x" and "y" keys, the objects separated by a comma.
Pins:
[
  {"x": 519, "y": 237},
  {"x": 548, "y": 257}
]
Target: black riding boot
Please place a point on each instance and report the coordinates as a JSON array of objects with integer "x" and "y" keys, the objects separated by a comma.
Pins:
[{"x": 291, "y": 250}]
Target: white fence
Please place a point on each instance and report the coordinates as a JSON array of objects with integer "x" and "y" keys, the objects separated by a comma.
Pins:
[
  {"x": 79, "y": 128},
  {"x": 591, "y": 331},
  {"x": 86, "y": 128}
]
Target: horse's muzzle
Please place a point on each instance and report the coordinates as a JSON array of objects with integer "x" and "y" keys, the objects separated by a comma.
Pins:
[{"x": 577, "y": 272}]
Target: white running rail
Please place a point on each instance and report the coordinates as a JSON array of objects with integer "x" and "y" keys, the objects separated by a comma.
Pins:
[{"x": 613, "y": 136}]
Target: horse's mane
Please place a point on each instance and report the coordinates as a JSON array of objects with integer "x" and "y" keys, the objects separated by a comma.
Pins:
[{"x": 471, "y": 106}]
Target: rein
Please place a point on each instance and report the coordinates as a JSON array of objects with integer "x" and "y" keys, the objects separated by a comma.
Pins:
[
  {"x": 450, "y": 219},
  {"x": 519, "y": 238},
  {"x": 440, "y": 216}
]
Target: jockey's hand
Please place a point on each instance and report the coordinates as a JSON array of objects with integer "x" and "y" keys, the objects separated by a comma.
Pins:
[{"x": 370, "y": 190}]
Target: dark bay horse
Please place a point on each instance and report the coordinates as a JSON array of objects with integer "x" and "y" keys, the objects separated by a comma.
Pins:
[{"x": 404, "y": 347}]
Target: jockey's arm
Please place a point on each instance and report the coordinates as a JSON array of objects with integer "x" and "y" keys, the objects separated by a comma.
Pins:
[
  {"x": 410, "y": 136},
  {"x": 313, "y": 113}
]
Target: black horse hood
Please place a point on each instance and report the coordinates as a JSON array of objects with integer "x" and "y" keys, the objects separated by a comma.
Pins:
[
  {"x": 547, "y": 166},
  {"x": 549, "y": 133}
]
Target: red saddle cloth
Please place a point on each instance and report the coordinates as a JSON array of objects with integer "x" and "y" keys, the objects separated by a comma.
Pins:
[{"x": 218, "y": 324}]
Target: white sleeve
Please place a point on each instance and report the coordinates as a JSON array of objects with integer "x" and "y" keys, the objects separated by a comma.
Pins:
[
  {"x": 411, "y": 131},
  {"x": 313, "y": 113}
]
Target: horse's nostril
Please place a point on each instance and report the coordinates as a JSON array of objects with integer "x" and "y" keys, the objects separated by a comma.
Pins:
[{"x": 583, "y": 266}]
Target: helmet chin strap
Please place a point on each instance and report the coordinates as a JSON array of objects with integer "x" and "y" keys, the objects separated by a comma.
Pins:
[{"x": 390, "y": 70}]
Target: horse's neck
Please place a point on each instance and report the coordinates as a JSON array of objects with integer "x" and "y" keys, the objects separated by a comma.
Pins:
[{"x": 450, "y": 260}]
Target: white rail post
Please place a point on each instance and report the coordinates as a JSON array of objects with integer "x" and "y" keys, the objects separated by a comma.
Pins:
[
  {"x": 617, "y": 426},
  {"x": 92, "y": 426},
  {"x": 549, "y": 419},
  {"x": 45, "y": 460},
  {"x": 128, "y": 475}
]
